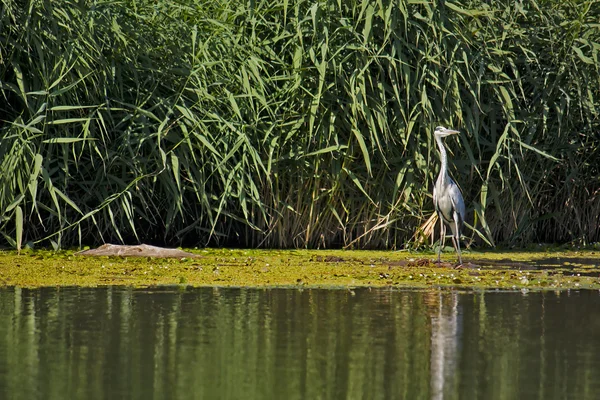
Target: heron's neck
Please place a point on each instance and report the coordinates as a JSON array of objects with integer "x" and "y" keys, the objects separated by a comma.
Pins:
[{"x": 443, "y": 159}]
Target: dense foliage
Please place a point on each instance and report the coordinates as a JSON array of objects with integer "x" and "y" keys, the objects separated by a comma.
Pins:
[{"x": 296, "y": 123}]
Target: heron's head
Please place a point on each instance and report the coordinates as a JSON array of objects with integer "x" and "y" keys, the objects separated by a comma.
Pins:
[{"x": 440, "y": 131}]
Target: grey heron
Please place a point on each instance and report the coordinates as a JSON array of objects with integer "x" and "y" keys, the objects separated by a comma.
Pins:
[{"x": 447, "y": 199}]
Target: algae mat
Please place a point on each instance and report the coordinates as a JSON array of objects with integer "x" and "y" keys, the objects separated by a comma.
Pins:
[{"x": 307, "y": 268}]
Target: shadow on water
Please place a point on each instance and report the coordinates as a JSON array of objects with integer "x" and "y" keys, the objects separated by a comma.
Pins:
[{"x": 207, "y": 343}]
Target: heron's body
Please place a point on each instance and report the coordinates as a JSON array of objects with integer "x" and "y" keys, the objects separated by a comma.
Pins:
[
  {"x": 448, "y": 209},
  {"x": 447, "y": 199}
]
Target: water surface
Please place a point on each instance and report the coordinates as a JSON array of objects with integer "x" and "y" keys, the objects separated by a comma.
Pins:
[{"x": 209, "y": 343}]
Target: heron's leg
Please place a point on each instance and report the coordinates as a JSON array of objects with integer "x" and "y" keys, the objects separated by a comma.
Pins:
[
  {"x": 442, "y": 238},
  {"x": 456, "y": 242}
]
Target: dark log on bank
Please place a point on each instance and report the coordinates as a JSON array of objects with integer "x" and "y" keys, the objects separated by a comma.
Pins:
[{"x": 142, "y": 250}]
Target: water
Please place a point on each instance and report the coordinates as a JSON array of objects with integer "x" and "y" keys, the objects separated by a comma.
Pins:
[{"x": 118, "y": 343}]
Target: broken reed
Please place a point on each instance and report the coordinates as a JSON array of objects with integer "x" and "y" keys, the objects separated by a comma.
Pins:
[{"x": 296, "y": 123}]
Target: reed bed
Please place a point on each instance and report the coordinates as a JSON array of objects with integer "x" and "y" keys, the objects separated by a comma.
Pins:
[{"x": 296, "y": 123}]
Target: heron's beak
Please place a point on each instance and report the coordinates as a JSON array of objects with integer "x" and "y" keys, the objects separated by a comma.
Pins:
[{"x": 451, "y": 132}]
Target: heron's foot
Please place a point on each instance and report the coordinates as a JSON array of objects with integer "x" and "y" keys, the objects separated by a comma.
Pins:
[
  {"x": 443, "y": 264},
  {"x": 458, "y": 266}
]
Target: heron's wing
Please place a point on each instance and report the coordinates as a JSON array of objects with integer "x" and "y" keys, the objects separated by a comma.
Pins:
[{"x": 458, "y": 206}]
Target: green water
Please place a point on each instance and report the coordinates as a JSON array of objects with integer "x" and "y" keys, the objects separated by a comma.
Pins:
[{"x": 212, "y": 343}]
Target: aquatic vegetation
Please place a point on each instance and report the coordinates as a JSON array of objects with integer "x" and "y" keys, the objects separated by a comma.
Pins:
[{"x": 555, "y": 270}]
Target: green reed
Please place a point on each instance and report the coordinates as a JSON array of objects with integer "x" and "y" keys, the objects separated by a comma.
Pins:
[{"x": 295, "y": 123}]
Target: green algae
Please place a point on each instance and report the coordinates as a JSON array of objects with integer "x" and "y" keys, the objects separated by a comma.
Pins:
[{"x": 545, "y": 270}]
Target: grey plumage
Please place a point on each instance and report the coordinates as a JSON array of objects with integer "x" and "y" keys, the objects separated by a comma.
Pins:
[{"x": 447, "y": 199}]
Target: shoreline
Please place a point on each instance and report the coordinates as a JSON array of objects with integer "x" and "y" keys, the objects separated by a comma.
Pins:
[{"x": 336, "y": 269}]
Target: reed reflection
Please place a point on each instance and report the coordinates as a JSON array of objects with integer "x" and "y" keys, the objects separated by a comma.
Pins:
[{"x": 296, "y": 344}]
